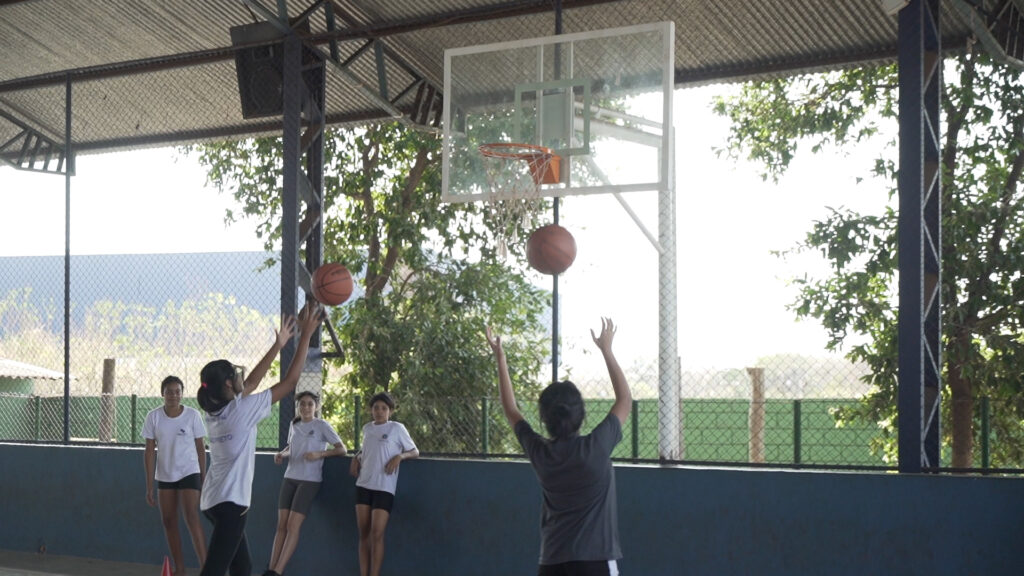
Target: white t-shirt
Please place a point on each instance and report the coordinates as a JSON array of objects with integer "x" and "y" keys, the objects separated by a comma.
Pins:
[
  {"x": 233, "y": 450},
  {"x": 304, "y": 437},
  {"x": 381, "y": 443},
  {"x": 176, "y": 455}
]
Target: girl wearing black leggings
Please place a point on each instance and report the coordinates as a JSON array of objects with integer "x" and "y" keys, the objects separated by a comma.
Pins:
[{"x": 232, "y": 413}]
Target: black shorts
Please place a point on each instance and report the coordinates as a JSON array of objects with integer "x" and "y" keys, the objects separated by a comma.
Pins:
[
  {"x": 190, "y": 482},
  {"x": 297, "y": 495},
  {"x": 375, "y": 499},
  {"x": 580, "y": 568}
]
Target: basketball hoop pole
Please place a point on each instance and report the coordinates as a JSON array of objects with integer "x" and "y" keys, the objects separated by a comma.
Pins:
[{"x": 556, "y": 201}]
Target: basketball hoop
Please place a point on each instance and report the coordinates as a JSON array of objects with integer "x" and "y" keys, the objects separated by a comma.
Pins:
[{"x": 515, "y": 174}]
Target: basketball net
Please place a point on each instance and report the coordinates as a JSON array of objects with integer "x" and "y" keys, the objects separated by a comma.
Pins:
[{"x": 515, "y": 173}]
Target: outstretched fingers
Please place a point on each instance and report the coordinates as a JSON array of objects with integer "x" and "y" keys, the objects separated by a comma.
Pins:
[
  {"x": 604, "y": 339},
  {"x": 310, "y": 316},
  {"x": 287, "y": 329},
  {"x": 494, "y": 341}
]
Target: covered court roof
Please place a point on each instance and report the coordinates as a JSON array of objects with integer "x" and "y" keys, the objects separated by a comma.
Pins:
[{"x": 158, "y": 72}]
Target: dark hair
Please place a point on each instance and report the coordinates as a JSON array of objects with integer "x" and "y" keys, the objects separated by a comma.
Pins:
[
  {"x": 300, "y": 396},
  {"x": 169, "y": 381},
  {"x": 383, "y": 397},
  {"x": 213, "y": 390},
  {"x": 561, "y": 409}
]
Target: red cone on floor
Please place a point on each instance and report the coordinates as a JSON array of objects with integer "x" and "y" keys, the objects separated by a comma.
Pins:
[{"x": 167, "y": 567}]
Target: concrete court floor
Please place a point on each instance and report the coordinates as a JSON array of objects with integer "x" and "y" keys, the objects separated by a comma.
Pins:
[{"x": 13, "y": 563}]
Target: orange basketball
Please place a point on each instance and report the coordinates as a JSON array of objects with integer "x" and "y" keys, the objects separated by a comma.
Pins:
[
  {"x": 332, "y": 284},
  {"x": 551, "y": 249}
]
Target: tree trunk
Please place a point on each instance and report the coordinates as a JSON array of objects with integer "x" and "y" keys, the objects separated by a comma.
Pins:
[{"x": 962, "y": 420}]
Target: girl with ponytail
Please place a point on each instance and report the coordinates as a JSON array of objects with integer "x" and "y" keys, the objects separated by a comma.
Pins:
[{"x": 233, "y": 410}]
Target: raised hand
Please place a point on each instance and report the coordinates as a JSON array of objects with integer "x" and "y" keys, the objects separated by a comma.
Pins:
[
  {"x": 604, "y": 340},
  {"x": 287, "y": 330},
  {"x": 310, "y": 317},
  {"x": 494, "y": 341}
]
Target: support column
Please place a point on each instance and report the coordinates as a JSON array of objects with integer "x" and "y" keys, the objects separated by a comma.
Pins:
[{"x": 919, "y": 236}]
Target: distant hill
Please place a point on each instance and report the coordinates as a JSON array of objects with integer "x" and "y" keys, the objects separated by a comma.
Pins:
[{"x": 149, "y": 280}]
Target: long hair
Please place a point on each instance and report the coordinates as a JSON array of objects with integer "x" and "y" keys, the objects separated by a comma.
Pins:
[
  {"x": 561, "y": 409},
  {"x": 300, "y": 396},
  {"x": 213, "y": 390}
]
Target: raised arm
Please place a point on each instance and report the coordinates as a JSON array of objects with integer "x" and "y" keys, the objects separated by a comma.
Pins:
[
  {"x": 508, "y": 397},
  {"x": 309, "y": 322},
  {"x": 623, "y": 397},
  {"x": 281, "y": 337}
]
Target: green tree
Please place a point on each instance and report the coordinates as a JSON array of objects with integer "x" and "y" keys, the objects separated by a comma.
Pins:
[
  {"x": 982, "y": 238},
  {"x": 427, "y": 268}
]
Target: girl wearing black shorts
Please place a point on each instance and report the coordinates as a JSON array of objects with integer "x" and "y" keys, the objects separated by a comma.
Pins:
[
  {"x": 175, "y": 458},
  {"x": 385, "y": 445}
]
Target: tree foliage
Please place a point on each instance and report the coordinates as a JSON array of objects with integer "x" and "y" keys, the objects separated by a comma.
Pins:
[
  {"x": 430, "y": 277},
  {"x": 982, "y": 235}
]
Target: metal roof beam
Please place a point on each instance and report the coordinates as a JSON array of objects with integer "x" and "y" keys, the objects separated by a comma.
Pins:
[
  {"x": 31, "y": 150},
  {"x": 998, "y": 26}
]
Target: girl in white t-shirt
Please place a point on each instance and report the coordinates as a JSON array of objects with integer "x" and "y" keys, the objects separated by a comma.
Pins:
[
  {"x": 385, "y": 445},
  {"x": 175, "y": 458},
  {"x": 307, "y": 438},
  {"x": 232, "y": 413}
]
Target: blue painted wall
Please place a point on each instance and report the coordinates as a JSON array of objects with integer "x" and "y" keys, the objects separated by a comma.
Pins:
[{"x": 480, "y": 518}]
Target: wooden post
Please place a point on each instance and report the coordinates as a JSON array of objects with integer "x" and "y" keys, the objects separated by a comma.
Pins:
[
  {"x": 756, "y": 416},
  {"x": 108, "y": 411}
]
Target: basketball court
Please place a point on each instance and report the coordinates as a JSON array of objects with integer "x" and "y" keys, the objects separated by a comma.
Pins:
[
  {"x": 541, "y": 107},
  {"x": 14, "y": 563}
]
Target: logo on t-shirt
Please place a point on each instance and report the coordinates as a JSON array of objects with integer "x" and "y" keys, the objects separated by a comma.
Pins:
[
  {"x": 384, "y": 437},
  {"x": 181, "y": 431}
]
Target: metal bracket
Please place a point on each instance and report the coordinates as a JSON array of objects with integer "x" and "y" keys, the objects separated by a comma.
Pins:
[{"x": 30, "y": 150}]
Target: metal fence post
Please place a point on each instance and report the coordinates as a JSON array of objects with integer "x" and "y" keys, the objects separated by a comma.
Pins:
[
  {"x": 37, "y": 401},
  {"x": 985, "y": 430},
  {"x": 358, "y": 426},
  {"x": 635, "y": 426},
  {"x": 485, "y": 428},
  {"x": 797, "y": 432},
  {"x": 134, "y": 415}
]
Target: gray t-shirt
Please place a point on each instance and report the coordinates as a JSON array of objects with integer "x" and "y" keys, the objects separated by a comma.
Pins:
[{"x": 579, "y": 520}]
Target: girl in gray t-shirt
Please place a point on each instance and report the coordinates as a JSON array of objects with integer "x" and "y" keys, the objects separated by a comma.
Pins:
[{"x": 579, "y": 520}]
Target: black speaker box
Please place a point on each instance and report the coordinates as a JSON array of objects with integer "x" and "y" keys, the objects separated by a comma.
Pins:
[{"x": 260, "y": 68}]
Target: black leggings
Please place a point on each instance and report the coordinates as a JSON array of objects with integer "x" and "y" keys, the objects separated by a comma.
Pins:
[{"x": 228, "y": 545}]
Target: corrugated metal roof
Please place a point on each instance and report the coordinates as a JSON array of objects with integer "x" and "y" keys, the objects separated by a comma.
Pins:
[
  {"x": 147, "y": 72},
  {"x": 20, "y": 370}
]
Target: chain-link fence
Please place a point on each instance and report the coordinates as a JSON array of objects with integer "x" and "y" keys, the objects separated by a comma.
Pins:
[
  {"x": 136, "y": 318},
  {"x": 718, "y": 372}
]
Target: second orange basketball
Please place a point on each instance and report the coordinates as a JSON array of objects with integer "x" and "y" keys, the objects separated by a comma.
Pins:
[{"x": 332, "y": 284}]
